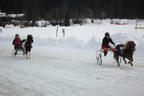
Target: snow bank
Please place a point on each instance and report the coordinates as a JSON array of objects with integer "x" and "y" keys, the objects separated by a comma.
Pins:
[
  {"x": 66, "y": 66},
  {"x": 88, "y": 36}
]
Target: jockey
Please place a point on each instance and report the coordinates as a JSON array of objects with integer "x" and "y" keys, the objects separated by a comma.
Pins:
[
  {"x": 105, "y": 43},
  {"x": 17, "y": 43}
]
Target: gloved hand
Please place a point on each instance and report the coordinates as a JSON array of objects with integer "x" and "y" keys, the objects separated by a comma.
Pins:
[{"x": 114, "y": 45}]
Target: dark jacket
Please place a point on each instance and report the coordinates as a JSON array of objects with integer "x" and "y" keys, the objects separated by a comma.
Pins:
[{"x": 106, "y": 41}]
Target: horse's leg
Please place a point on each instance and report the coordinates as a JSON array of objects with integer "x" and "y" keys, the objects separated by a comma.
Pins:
[
  {"x": 131, "y": 63},
  {"x": 120, "y": 60},
  {"x": 29, "y": 55},
  {"x": 117, "y": 58},
  {"x": 130, "y": 60},
  {"x": 26, "y": 54},
  {"x": 124, "y": 60}
]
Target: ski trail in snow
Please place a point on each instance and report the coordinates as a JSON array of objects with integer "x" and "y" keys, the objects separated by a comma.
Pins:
[{"x": 66, "y": 72}]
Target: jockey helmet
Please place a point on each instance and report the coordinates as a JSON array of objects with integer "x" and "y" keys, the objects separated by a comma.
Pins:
[
  {"x": 16, "y": 35},
  {"x": 107, "y": 34}
]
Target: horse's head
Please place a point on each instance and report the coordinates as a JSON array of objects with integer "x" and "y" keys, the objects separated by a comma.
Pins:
[
  {"x": 130, "y": 45},
  {"x": 29, "y": 38}
]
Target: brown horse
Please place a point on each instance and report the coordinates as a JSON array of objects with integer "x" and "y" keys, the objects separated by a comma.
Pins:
[{"x": 125, "y": 51}]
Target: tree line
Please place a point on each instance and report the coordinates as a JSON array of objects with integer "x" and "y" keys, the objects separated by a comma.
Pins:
[{"x": 63, "y": 9}]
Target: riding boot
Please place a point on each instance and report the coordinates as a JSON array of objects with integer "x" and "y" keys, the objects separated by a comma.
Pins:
[
  {"x": 15, "y": 52},
  {"x": 105, "y": 53},
  {"x": 16, "y": 48}
]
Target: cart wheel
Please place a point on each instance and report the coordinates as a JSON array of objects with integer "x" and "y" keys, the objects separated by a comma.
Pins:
[
  {"x": 99, "y": 59},
  {"x": 12, "y": 52}
]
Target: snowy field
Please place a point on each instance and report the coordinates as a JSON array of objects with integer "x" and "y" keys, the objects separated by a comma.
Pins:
[{"x": 67, "y": 66}]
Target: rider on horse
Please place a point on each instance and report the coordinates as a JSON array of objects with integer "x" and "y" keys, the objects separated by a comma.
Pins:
[{"x": 105, "y": 43}]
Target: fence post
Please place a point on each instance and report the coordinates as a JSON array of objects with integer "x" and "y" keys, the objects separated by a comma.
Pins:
[
  {"x": 63, "y": 31},
  {"x": 57, "y": 32}
]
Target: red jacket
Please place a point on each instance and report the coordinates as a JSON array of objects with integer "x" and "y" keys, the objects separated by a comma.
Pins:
[{"x": 17, "y": 41}]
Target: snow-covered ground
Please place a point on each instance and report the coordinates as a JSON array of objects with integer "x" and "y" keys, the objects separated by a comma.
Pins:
[{"x": 67, "y": 66}]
